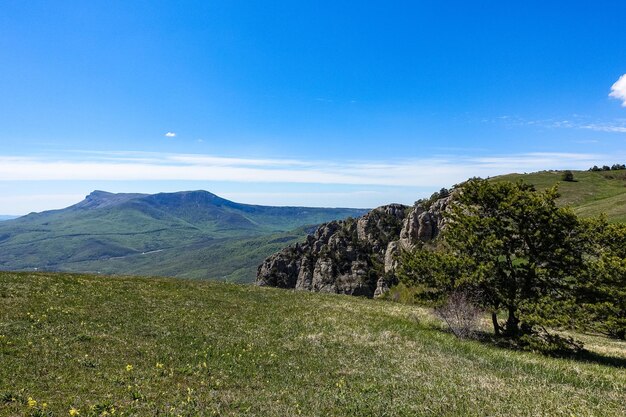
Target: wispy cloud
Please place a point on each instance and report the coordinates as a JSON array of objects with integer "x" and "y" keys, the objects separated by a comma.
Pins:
[
  {"x": 443, "y": 170},
  {"x": 605, "y": 127},
  {"x": 575, "y": 122},
  {"x": 170, "y": 135},
  {"x": 618, "y": 90}
]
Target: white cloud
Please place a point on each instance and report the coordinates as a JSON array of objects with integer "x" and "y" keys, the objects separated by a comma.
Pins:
[
  {"x": 615, "y": 128},
  {"x": 361, "y": 198},
  {"x": 611, "y": 126},
  {"x": 426, "y": 172},
  {"x": 170, "y": 135},
  {"x": 618, "y": 90},
  {"x": 330, "y": 183}
]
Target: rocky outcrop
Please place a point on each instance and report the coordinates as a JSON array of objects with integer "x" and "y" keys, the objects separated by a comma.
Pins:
[
  {"x": 423, "y": 224},
  {"x": 354, "y": 256}
]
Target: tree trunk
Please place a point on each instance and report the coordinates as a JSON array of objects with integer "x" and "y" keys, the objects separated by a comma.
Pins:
[
  {"x": 496, "y": 325},
  {"x": 512, "y": 323}
]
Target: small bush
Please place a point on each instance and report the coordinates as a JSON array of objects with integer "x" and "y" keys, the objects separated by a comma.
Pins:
[
  {"x": 460, "y": 313},
  {"x": 402, "y": 294},
  {"x": 568, "y": 176},
  {"x": 427, "y": 202}
]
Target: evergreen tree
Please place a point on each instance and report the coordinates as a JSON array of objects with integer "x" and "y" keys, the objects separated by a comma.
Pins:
[
  {"x": 514, "y": 249},
  {"x": 568, "y": 176},
  {"x": 601, "y": 291}
]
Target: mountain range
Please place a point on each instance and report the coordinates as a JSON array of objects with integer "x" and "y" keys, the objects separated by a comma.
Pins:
[
  {"x": 196, "y": 234},
  {"x": 192, "y": 234}
]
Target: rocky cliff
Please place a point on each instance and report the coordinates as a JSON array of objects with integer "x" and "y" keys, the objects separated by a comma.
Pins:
[{"x": 354, "y": 256}]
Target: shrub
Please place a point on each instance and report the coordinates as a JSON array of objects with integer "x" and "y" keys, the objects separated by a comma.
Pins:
[
  {"x": 568, "y": 176},
  {"x": 402, "y": 294},
  {"x": 427, "y": 202},
  {"x": 460, "y": 314}
]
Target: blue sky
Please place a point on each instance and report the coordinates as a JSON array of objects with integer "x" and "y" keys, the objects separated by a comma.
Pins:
[{"x": 317, "y": 103}]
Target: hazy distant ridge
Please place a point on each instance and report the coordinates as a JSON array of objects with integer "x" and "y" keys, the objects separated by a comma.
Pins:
[{"x": 192, "y": 233}]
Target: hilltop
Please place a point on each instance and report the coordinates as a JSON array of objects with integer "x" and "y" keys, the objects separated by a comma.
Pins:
[
  {"x": 148, "y": 346},
  {"x": 192, "y": 234},
  {"x": 591, "y": 193}
]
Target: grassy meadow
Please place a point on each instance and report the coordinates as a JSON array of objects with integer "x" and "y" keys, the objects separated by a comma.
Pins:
[
  {"x": 590, "y": 194},
  {"x": 96, "y": 346}
]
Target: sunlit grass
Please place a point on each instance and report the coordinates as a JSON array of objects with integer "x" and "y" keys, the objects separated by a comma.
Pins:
[
  {"x": 591, "y": 194},
  {"x": 85, "y": 345}
]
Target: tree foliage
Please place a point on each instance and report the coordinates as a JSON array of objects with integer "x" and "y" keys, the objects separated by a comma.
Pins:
[
  {"x": 525, "y": 249},
  {"x": 601, "y": 290},
  {"x": 435, "y": 271},
  {"x": 514, "y": 248}
]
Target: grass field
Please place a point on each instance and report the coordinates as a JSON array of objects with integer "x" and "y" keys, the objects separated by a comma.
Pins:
[
  {"x": 87, "y": 346},
  {"x": 591, "y": 194}
]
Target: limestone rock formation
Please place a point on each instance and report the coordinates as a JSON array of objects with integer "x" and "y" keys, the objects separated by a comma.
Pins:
[{"x": 354, "y": 256}]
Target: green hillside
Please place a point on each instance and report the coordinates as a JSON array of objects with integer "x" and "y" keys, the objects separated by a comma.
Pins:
[
  {"x": 188, "y": 234},
  {"x": 156, "y": 346},
  {"x": 591, "y": 193},
  {"x": 230, "y": 259}
]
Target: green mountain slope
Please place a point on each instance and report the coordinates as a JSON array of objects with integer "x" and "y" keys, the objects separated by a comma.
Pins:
[
  {"x": 232, "y": 259},
  {"x": 591, "y": 194},
  {"x": 150, "y": 346},
  {"x": 192, "y": 234}
]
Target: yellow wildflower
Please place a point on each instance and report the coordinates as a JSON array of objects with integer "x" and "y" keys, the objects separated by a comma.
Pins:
[
  {"x": 31, "y": 402},
  {"x": 129, "y": 368},
  {"x": 159, "y": 365},
  {"x": 74, "y": 412}
]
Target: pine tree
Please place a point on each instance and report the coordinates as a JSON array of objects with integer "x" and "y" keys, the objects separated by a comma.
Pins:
[
  {"x": 511, "y": 247},
  {"x": 601, "y": 291}
]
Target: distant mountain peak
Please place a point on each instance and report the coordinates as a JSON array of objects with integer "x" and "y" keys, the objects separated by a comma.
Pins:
[
  {"x": 197, "y": 196},
  {"x": 100, "y": 199},
  {"x": 99, "y": 193}
]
